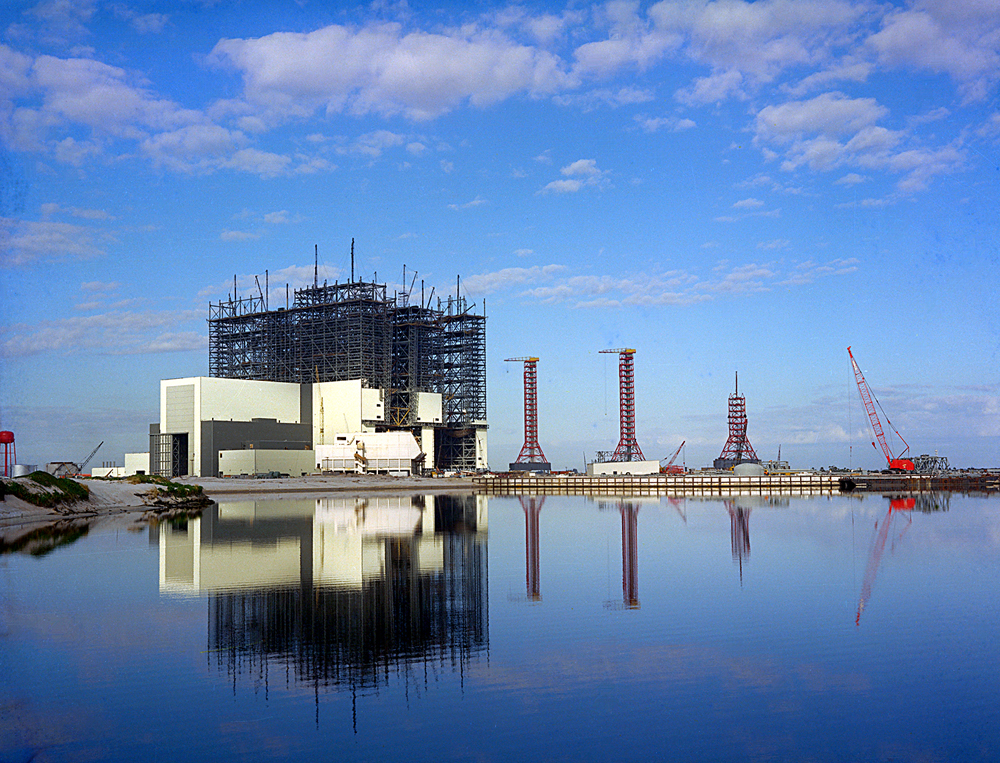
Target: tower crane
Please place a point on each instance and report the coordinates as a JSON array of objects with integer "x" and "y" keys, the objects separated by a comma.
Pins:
[
  {"x": 897, "y": 463},
  {"x": 670, "y": 468}
]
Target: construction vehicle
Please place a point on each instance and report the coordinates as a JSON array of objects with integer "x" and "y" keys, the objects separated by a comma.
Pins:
[
  {"x": 896, "y": 463},
  {"x": 670, "y": 468}
]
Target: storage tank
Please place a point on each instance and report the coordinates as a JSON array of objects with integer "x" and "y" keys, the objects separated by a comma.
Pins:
[{"x": 23, "y": 470}]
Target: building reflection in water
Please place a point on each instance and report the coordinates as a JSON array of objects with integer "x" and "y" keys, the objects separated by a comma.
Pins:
[{"x": 340, "y": 592}]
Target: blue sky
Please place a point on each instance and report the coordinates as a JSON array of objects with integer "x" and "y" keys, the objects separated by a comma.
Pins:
[{"x": 723, "y": 186}]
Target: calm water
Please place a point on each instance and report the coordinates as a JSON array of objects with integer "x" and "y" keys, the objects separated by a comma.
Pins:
[{"x": 819, "y": 629}]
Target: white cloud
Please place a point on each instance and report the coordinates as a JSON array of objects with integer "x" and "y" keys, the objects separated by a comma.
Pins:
[
  {"x": 833, "y": 130},
  {"x": 238, "y": 235},
  {"x": 582, "y": 173},
  {"x": 150, "y": 23},
  {"x": 956, "y": 38},
  {"x": 586, "y": 167},
  {"x": 23, "y": 243},
  {"x": 276, "y": 218},
  {"x": 469, "y": 204},
  {"x": 551, "y": 285},
  {"x": 851, "y": 178},
  {"x": 114, "y": 333},
  {"x": 488, "y": 283},
  {"x": 381, "y": 69},
  {"x": 748, "y": 204},
  {"x": 674, "y": 124},
  {"x": 562, "y": 186}
]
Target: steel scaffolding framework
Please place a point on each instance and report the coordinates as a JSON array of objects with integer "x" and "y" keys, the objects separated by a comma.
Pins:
[
  {"x": 737, "y": 449},
  {"x": 531, "y": 452},
  {"x": 354, "y": 330},
  {"x": 628, "y": 449}
]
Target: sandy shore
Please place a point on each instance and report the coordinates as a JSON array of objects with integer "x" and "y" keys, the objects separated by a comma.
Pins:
[{"x": 120, "y": 503}]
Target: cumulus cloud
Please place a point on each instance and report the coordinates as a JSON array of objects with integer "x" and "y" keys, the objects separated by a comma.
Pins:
[
  {"x": 955, "y": 38},
  {"x": 382, "y": 69},
  {"x": 581, "y": 174},
  {"x": 833, "y": 130}
]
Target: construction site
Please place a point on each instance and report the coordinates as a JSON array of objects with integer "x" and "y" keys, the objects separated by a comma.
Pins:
[{"x": 624, "y": 471}]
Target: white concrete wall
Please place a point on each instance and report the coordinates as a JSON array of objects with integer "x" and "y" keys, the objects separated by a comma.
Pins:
[
  {"x": 429, "y": 408},
  {"x": 372, "y": 404},
  {"x": 336, "y": 407},
  {"x": 482, "y": 456},
  {"x": 427, "y": 436},
  {"x": 391, "y": 452},
  {"x": 108, "y": 471},
  {"x": 136, "y": 462},
  {"x": 256, "y": 461},
  {"x": 185, "y": 403},
  {"x": 598, "y": 469}
]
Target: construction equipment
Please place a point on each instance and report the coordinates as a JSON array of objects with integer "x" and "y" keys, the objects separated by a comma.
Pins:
[
  {"x": 896, "y": 463},
  {"x": 86, "y": 461},
  {"x": 670, "y": 468}
]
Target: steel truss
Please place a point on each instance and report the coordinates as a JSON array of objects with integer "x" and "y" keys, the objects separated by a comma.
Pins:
[{"x": 356, "y": 331}]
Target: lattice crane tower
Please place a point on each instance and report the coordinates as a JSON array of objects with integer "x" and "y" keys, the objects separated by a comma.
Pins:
[
  {"x": 531, "y": 457},
  {"x": 628, "y": 449},
  {"x": 737, "y": 449}
]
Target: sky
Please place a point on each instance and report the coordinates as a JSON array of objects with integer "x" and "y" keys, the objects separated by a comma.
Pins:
[{"x": 725, "y": 187}]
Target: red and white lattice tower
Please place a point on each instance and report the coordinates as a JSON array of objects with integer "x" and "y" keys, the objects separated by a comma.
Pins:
[
  {"x": 628, "y": 449},
  {"x": 737, "y": 449},
  {"x": 531, "y": 457}
]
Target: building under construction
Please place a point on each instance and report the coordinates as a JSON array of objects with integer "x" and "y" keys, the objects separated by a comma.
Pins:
[{"x": 357, "y": 331}]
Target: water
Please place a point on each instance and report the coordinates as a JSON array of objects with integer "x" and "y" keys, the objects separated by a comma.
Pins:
[{"x": 464, "y": 628}]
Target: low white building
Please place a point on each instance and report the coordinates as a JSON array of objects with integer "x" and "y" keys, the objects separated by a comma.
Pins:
[
  {"x": 210, "y": 426},
  {"x": 610, "y": 468}
]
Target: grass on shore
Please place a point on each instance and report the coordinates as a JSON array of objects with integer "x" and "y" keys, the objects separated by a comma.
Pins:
[{"x": 46, "y": 491}]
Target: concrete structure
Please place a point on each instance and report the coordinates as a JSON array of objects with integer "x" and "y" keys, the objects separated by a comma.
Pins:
[
  {"x": 254, "y": 461},
  {"x": 108, "y": 471},
  {"x": 201, "y": 416},
  {"x": 136, "y": 463},
  {"x": 605, "y": 468},
  {"x": 210, "y": 426},
  {"x": 373, "y": 453}
]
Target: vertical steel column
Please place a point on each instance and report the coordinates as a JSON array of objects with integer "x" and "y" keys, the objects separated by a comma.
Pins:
[
  {"x": 531, "y": 451},
  {"x": 628, "y": 449}
]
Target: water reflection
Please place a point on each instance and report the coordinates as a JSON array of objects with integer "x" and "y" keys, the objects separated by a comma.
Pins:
[
  {"x": 891, "y": 529},
  {"x": 339, "y": 591},
  {"x": 532, "y": 506}
]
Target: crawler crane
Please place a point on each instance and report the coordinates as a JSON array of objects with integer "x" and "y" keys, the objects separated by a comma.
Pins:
[{"x": 896, "y": 463}]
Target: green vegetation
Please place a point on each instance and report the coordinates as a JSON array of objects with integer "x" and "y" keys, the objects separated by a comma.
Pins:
[
  {"x": 42, "y": 489},
  {"x": 164, "y": 487}
]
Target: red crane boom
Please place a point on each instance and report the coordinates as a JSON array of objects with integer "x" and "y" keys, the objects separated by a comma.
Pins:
[
  {"x": 900, "y": 463},
  {"x": 670, "y": 468}
]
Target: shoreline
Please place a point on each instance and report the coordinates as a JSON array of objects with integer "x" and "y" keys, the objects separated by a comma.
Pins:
[{"x": 119, "y": 503}]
